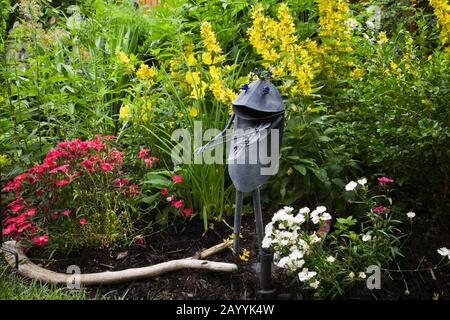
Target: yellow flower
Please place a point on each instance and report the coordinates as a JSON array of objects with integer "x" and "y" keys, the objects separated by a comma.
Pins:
[
  {"x": 218, "y": 90},
  {"x": 290, "y": 171},
  {"x": 191, "y": 60},
  {"x": 193, "y": 112},
  {"x": 145, "y": 72},
  {"x": 130, "y": 69},
  {"x": 198, "y": 92},
  {"x": 209, "y": 38},
  {"x": 124, "y": 113},
  {"x": 356, "y": 73},
  {"x": 207, "y": 59},
  {"x": 245, "y": 255},
  {"x": 123, "y": 58},
  {"x": 442, "y": 13},
  {"x": 333, "y": 19},
  {"x": 193, "y": 78},
  {"x": 214, "y": 72},
  {"x": 231, "y": 94},
  {"x": 393, "y": 65},
  {"x": 382, "y": 38}
]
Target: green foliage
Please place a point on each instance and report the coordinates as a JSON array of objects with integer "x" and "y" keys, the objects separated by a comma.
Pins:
[{"x": 330, "y": 263}]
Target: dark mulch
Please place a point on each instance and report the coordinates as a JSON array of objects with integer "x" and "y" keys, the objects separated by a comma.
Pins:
[{"x": 186, "y": 239}]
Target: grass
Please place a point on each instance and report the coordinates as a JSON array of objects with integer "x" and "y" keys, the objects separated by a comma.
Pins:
[{"x": 14, "y": 287}]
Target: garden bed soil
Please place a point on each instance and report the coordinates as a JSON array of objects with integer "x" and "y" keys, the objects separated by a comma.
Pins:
[{"x": 185, "y": 239}]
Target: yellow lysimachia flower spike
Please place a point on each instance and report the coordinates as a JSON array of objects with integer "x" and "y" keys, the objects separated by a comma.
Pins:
[
  {"x": 209, "y": 38},
  {"x": 442, "y": 13}
]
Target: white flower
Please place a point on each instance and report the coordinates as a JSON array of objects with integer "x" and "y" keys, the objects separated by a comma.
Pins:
[
  {"x": 326, "y": 216},
  {"x": 266, "y": 242},
  {"x": 304, "y": 210},
  {"x": 362, "y": 275},
  {"x": 315, "y": 219},
  {"x": 351, "y": 186},
  {"x": 314, "y": 238},
  {"x": 444, "y": 252},
  {"x": 300, "y": 218},
  {"x": 283, "y": 261},
  {"x": 315, "y": 284},
  {"x": 331, "y": 259},
  {"x": 268, "y": 229},
  {"x": 366, "y": 237},
  {"x": 362, "y": 181},
  {"x": 288, "y": 209},
  {"x": 305, "y": 275},
  {"x": 321, "y": 209},
  {"x": 351, "y": 275},
  {"x": 410, "y": 214},
  {"x": 296, "y": 254}
]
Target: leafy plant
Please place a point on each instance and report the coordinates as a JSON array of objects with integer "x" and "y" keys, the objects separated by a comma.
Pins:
[
  {"x": 330, "y": 263},
  {"x": 86, "y": 193}
]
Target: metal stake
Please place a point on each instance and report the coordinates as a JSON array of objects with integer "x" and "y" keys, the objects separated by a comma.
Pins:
[
  {"x": 237, "y": 220},
  {"x": 265, "y": 256}
]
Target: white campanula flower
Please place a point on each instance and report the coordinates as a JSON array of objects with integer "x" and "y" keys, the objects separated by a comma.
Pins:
[
  {"x": 351, "y": 275},
  {"x": 304, "y": 210},
  {"x": 351, "y": 186},
  {"x": 444, "y": 252},
  {"x": 314, "y": 284},
  {"x": 331, "y": 259},
  {"x": 362, "y": 275},
  {"x": 366, "y": 237},
  {"x": 362, "y": 181},
  {"x": 411, "y": 214}
]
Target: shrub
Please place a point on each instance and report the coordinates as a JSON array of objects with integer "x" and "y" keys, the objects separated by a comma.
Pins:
[{"x": 85, "y": 193}]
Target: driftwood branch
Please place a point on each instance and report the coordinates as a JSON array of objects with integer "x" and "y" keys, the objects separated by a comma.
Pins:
[{"x": 33, "y": 271}]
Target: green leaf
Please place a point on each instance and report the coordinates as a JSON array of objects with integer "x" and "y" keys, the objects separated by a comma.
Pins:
[
  {"x": 156, "y": 180},
  {"x": 300, "y": 169},
  {"x": 150, "y": 199}
]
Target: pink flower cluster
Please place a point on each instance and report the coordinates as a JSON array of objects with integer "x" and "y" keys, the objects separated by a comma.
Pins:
[
  {"x": 147, "y": 160},
  {"x": 172, "y": 199},
  {"x": 39, "y": 190}
]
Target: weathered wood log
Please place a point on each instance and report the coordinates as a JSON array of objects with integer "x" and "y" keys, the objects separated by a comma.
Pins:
[{"x": 33, "y": 271}]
